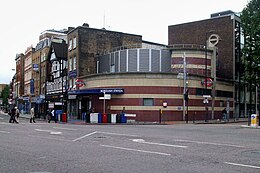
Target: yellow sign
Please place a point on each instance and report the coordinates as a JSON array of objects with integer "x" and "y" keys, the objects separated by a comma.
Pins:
[{"x": 254, "y": 120}]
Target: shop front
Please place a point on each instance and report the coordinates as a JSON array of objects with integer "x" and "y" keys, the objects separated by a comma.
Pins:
[{"x": 84, "y": 101}]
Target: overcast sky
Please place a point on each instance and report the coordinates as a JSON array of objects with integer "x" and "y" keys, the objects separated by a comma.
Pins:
[{"x": 22, "y": 21}]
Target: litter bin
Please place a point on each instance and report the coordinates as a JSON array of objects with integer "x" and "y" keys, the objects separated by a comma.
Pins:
[
  {"x": 94, "y": 118},
  {"x": 99, "y": 118},
  {"x": 253, "y": 120},
  {"x": 118, "y": 118},
  {"x": 104, "y": 118},
  {"x": 87, "y": 118},
  {"x": 64, "y": 117},
  {"x": 109, "y": 118},
  {"x": 113, "y": 118},
  {"x": 123, "y": 118}
]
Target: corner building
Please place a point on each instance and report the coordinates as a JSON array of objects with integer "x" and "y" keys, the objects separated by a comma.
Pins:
[
  {"x": 141, "y": 76},
  {"x": 85, "y": 44}
]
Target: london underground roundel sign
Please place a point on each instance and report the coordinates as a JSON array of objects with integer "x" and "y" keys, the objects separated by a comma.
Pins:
[
  {"x": 208, "y": 82},
  {"x": 79, "y": 83}
]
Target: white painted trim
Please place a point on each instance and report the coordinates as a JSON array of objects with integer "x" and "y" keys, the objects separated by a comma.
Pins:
[
  {"x": 126, "y": 60},
  {"x": 160, "y": 61},
  {"x": 118, "y": 60},
  {"x": 138, "y": 59},
  {"x": 150, "y": 60}
]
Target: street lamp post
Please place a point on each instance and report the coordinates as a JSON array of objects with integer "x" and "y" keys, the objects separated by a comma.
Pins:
[
  {"x": 104, "y": 103},
  {"x": 206, "y": 73}
]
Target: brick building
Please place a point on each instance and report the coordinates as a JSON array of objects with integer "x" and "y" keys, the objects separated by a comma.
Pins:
[
  {"x": 41, "y": 67},
  {"x": 84, "y": 45},
  {"x": 19, "y": 82},
  {"x": 228, "y": 61}
]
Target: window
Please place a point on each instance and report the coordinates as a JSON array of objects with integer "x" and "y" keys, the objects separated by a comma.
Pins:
[
  {"x": 221, "y": 103},
  {"x": 202, "y": 91},
  {"x": 70, "y": 83},
  {"x": 70, "y": 64},
  {"x": 70, "y": 45},
  {"x": 43, "y": 57},
  {"x": 74, "y": 42},
  {"x": 55, "y": 66},
  {"x": 74, "y": 63},
  {"x": 148, "y": 102},
  {"x": 112, "y": 68},
  {"x": 64, "y": 64},
  {"x": 224, "y": 94}
]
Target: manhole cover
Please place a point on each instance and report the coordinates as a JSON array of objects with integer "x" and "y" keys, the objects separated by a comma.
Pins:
[{"x": 100, "y": 137}]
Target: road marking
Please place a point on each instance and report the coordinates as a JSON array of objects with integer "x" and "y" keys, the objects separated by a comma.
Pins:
[
  {"x": 64, "y": 128},
  {"x": 119, "y": 134},
  {"x": 209, "y": 143},
  {"x": 58, "y": 139},
  {"x": 4, "y": 132},
  {"x": 1, "y": 118},
  {"x": 237, "y": 164},
  {"x": 84, "y": 136},
  {"x": 131, "y": 149},
  {"x": 153, "y": 143},
  {"x": 51, "y": 132}
]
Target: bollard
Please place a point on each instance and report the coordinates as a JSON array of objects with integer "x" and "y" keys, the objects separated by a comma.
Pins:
[
  {"x": 160, "y": 116},
  {"x": 193, "y": 117}
]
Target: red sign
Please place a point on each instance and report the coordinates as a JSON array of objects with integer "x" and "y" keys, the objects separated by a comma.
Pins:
[
  {"x": 79, "y": 83},
  {"x": 208, "y": 82}
]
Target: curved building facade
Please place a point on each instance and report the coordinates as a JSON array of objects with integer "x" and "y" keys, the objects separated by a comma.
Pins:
[{"x": 140, "y": 81}]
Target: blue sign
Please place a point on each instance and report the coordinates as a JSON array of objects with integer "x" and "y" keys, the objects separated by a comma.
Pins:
[
  {"x": 32, "y": 86},
  {"x": 98, "y": 91},
  {"x": 73, "y": 73},
  {"x": 35, "y": 67}
]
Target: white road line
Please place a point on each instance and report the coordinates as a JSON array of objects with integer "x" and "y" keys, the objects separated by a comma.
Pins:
[
  {"x": 153, "y": 143},
  {"x": 4, "y": 132},
  {"x": 237, "y": 164},
  {"x": 84, "y": 136},
  {"x": 210, "y": 143},
  {"x": 58, "y": 139},
  {"x": 130, "y": 149},
  {"x": 64, "y": 128},
  {"x": 1, "y": 118},
  {"x": 119, "y": 134},
  {"x": 50, "y": 131},
  {"x": 40, "y": 130}
]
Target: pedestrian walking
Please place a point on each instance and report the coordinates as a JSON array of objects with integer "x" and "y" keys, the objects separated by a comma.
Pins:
[
  {"x": 32, "y": 119},
  {"x": 224, "y": 114},
  {"x": 17, "y": 114},
  {"x": 53, "y": 117},
  {"x": 12, "y": 116}
]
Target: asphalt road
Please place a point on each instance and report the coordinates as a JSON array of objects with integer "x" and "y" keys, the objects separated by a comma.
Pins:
[{"x": 60, "y": 148}]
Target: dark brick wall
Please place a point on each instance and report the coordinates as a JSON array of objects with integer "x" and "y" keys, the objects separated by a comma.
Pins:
[
  {"x": 92, "y": 42},
  {"x": 195, "y": 33}
]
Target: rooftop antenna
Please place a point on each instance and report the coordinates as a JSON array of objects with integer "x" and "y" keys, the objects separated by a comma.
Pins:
[{"x": 104, "y": 20}]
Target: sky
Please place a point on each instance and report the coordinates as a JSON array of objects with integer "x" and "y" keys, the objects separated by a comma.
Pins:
[{"x": 22, "y": 21}]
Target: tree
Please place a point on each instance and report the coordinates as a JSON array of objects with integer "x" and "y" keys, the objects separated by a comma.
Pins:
[
  {"x": 5, "y": 94},
  {"x": 250, "y": 22}
]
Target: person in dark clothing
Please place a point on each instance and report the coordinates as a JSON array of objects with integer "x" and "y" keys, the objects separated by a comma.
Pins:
[
  {"x": 12, "y": 116},
  {"x": 53, "y": 117},
  {"x": 224, "y": 113}
]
